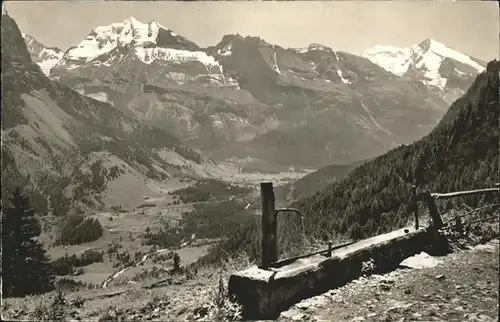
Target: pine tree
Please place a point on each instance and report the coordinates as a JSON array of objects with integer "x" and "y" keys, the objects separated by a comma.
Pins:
[
  {"x": 177, "y": 262},
  {"x": 25, "y": 264}
]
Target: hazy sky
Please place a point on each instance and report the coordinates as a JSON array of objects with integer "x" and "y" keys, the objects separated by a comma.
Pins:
[{"x": 470, "y": 27}]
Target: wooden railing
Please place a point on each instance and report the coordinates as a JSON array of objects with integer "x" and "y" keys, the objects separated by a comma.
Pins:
[
  {"x": 430, "y": 200},
  {"x": 462, "y": 193}
]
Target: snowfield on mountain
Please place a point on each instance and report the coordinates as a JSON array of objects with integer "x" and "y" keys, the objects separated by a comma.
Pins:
[{"x": 431, "y": 62}]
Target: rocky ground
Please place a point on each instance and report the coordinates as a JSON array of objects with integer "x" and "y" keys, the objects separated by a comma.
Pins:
[
  {"x": 462, "y": 286},
  {"x": 180, "y": 296}
]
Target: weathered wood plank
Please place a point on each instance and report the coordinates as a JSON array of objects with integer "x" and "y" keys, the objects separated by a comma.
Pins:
[
  {"x": 462, "y": 193},
  {"x": 269, "y": 227}
]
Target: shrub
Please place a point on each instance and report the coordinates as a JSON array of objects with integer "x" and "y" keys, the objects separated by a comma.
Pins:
[
  {"x": 224, "y": 308},
  {"x": 177, "y": 263},
  {"x": 57, "y": 309},
  {"x": 78, "y": 230},
  {"x": 124, "y": 258}
]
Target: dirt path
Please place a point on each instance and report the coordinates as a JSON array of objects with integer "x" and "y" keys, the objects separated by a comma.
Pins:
[
  {"x": 120, "y": 272},
  {"x": 462, "y": 286}
]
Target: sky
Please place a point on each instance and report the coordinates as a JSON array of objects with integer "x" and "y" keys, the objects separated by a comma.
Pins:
[{"x": 471, "y": 27}]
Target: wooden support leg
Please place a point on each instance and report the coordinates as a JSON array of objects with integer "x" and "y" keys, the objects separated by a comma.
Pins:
[{"x": 433, "y": 211}]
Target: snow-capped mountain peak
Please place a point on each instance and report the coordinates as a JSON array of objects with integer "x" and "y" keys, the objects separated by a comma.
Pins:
[
  {"x": 103, "y": 39},
  {"x": 149, "y": 41},
  {"x": 393, "y": 59},
  {"x": 128, "y": 46},
  {"x": 433, "y": 61},
  {"x": 45, "y": 57},
  {"x": 431, "y": 52}
]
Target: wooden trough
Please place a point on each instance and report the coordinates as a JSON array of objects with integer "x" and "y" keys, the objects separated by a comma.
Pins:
[
  {"x": 264, "y": 293},
  {"x": 266, "y": 290}
]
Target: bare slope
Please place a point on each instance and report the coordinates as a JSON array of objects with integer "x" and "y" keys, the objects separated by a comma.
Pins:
[{"x": 463, "y": 286}]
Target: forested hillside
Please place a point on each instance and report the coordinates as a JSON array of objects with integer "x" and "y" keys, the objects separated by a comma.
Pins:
[{"x": 460, "y": 153}]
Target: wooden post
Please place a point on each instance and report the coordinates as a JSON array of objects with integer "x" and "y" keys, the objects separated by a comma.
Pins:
[
  {"x": 433, "y": 211},
  {"x": 269, "y": 227},
  {"x": 414, "y": 204},
  {"x": 459, "y": 225},
  {"x": 329, "y": 249}
]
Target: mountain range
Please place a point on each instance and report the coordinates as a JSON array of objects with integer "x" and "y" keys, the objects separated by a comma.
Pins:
[
  {"x": 107, "y": 120},
  {"x": 250, "y": 101}
]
